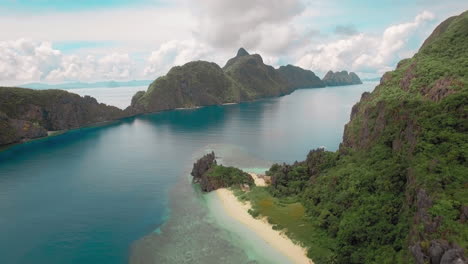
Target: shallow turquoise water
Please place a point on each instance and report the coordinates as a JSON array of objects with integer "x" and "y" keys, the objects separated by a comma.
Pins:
[{"x": 86, "y": 196}]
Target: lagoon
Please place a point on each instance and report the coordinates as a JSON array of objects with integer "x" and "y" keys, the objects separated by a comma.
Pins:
[{"x": 122, "y": 192}]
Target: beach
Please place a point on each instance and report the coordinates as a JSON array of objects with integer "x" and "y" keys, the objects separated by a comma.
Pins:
[{"x": 239, "y": 211}]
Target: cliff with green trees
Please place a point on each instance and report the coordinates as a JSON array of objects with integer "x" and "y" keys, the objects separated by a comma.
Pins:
[
  {"x": 211, "y": 176},
  {"x": 396, "y": 190},
  {"x": 27, "y": 113},
  {"x": 244, "y": 78},
  {"x": 297, "y": 77}
]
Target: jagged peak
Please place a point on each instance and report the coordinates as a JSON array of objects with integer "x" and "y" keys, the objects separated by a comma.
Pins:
[{"x": 242, "y": 52}]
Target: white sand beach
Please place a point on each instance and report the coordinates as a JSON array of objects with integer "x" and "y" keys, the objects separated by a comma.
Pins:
[
  {"x": 258, "y": 181},
  {"x": 239, "y": 211}
]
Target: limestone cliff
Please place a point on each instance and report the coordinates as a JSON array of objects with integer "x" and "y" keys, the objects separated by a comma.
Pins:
[
  {"x": 27, "y": 113},
  {"x": 341, "y": 78},
  {"x": 297, "y": 77},
  {"x": 244, "y": 78},
  {"x": 395, "y": 191}
]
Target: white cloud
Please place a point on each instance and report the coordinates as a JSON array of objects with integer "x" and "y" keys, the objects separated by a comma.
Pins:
[
  {"x": 135, "y": 29},
  {"x": 25, "y": 60},
  {"x": 174, "y": 53},
  {"x": 364, "y": 52},
  {"x": 253, "y": 24}
]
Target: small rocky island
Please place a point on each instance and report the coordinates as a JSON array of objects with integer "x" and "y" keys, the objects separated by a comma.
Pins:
[
  {"x": 341, "y": 78},
  {"x": 212, "y": 176}
]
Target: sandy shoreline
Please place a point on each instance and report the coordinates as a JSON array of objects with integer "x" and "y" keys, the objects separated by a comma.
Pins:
[{"x": 238, "y": 211}]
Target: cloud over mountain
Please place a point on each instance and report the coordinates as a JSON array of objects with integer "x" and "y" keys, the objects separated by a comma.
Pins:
[{"x": 365, "y": 52}]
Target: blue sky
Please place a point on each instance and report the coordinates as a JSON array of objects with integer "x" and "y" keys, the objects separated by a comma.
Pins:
[{"x": 58, "y": 40}]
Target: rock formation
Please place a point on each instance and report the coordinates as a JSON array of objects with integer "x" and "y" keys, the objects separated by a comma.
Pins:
[
  {"x": 341, "y": 78},
  {"x": 244, "y": 78},
  {"x": 211, "y": 176},
  {"x": 27, "y": 114},
  {"x": 297, "y": 77}
]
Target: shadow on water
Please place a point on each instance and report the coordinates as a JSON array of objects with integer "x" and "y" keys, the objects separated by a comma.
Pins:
[
  {"x": 211, "y": 117},
  {"x": 64, "y": 139}
]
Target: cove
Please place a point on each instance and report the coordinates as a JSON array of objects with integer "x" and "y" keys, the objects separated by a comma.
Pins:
[{"x": 87, "y": 195}]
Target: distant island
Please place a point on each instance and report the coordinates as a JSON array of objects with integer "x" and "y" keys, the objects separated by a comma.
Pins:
[
  {"x": 341, "y": 78},
  {"x": 245, "y": 77},
  {"x": 396, "y": 190},
  {"x": 26, "y": 114}
]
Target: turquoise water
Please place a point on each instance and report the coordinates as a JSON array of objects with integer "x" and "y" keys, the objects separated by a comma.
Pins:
[
  {"x": 116, "y": 96},
  {"x": 101, "y": 195}
]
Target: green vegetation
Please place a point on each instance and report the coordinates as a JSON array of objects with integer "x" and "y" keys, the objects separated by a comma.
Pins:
[
  {"x": 27, "y": 113},
  {"x": 228, "y": 176},
  {"x": 193, "y": 84},
  {"x": 398, "y": 185},
  {"x": 289, "y": 216},
  {"x": 297, "y": 77},
  {"x": 341, "y": 78},
  {"x": 199, "y": 83}
]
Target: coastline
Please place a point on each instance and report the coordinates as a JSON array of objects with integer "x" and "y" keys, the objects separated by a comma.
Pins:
[{"x": 278, "y": 240}]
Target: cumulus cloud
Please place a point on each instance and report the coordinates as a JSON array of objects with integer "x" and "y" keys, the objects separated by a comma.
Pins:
[
  {"x": 364, "y": 52},
  {"x": 25, "y": 60},
  {"x": 254, "y": 24},
  {"x": 174, "y": 53}
]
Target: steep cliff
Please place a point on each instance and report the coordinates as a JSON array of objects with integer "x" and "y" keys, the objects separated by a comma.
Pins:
[
  {"x": 196, "y": 83},
  {"x": 341, "y": 78},
  {"x": 297, "y": 77},
  {"x": 255, "y": 77},
  {"x": 395, "y": 192},
  {"x": 26, "y": 113}
]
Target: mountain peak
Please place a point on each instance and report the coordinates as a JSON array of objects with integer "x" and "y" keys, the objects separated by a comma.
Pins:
[{"x": 242, "y": 52}]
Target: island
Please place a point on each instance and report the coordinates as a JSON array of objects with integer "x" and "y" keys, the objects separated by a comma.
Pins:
[
  {"x": 341, "y": 78},
  {"x": 395, "y": 190},
  {"x": 27, "y": 114},
  {"x": 245, "y": 77}
]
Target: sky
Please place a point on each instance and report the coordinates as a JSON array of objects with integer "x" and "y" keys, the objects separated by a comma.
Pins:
[{"x": 53, "y": 41}]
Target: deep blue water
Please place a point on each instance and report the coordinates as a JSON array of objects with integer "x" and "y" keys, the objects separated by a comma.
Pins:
[{"x": 87, "y": 195}]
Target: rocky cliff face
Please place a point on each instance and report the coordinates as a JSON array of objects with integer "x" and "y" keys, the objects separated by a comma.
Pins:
[
  {"x": 395, "y": 192},
  {"x": 27, "y": 114},
  {"x": 297, "y": 77},
  {"x": 255, "y": 77},
  {"x": 341, "y": 78},
  {"x": 406, "y": 112},
  {"x": 196, "y": 83}
]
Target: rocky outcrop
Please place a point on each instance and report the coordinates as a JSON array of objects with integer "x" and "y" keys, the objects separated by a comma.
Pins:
[
  {"x": 341, "y": 78},
  {"x": 27, "y": 113},
  {"x": 211, "y": 176},
  {"x": 256, "y": 79},
  {"x": 202, "y": 166},
  {"x": 297, "y": 77}
]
